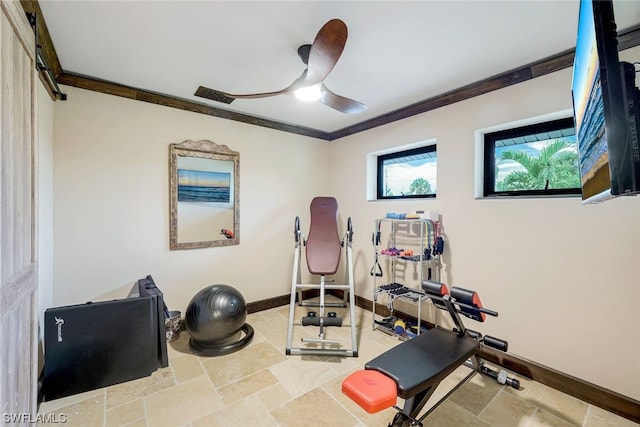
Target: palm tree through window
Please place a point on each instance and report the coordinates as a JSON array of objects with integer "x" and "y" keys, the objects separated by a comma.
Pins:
[{"x": 539, "y": 159}]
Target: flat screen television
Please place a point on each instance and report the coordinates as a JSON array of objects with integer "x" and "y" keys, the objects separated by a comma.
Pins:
[{"x": 605, "y": 108}]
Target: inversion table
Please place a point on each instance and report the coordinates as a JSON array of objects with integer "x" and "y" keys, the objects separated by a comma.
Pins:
[
  {"x": 414, "y": 369},
  {"x": 322, "y": 249}
]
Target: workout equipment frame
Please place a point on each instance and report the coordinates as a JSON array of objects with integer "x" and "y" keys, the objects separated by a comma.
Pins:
[
  {"x": 414, "y": 369},
  {"x": 323, "y": 319}
]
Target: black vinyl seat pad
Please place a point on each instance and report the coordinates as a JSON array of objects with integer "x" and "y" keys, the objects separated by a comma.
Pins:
[{"x": 425, "y": 360}]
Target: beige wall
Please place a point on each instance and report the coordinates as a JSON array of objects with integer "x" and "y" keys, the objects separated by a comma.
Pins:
[
  {"x": 45, "y": 202},
  {"x": 112, "y": 203},
  {"x": 564, "y": 277}
]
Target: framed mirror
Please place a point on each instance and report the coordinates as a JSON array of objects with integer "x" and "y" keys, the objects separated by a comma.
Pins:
[{"x": 204, "y": 185}]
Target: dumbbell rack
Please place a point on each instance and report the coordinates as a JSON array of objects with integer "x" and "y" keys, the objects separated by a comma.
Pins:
[{"x": 416, "y": 234}]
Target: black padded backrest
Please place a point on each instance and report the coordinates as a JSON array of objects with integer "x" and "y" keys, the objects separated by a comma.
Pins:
[
  {"x": 466, "y": 296},
  {"x": 323, "y": 244}
]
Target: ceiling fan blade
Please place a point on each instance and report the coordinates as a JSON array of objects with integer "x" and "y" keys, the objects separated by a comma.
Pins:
[
  {"x": 227, "y": 98},
  {"x": 340, "y": 103},
  {"x": 320, "y": 58},
  {"x": 297, "y": 84},
  {"x": 325, "y": 51}
]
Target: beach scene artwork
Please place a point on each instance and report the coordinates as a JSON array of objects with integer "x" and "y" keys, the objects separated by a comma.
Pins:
[{"x": 203, "y": 186}]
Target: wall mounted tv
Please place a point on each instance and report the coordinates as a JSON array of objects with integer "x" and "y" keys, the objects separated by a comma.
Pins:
[{"x": 605, "y": 108}]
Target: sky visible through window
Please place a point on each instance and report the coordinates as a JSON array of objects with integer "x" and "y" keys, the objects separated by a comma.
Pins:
[{"x": 399, "y": 176}]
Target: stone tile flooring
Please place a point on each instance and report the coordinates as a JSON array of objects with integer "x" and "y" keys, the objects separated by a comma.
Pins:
[{"x": 260, "y": 386}]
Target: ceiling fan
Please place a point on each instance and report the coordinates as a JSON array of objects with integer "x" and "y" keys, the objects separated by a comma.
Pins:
[{"x": 320, "y": 58}]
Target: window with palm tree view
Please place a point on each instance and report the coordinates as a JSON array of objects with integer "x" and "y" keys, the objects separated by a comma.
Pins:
[
  {"x": 407, "y": 174},
  {"x": 539, "y": 159}
]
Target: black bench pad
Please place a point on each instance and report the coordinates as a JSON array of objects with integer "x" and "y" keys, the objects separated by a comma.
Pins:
[{"x": 425, "y": 360}]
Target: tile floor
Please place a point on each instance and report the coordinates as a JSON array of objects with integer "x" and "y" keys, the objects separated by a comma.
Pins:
[{"x": 260, "y": 386}]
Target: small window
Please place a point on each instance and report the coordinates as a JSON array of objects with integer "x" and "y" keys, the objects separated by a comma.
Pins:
[
  {"x": 407, "y": 174},
  {"x": 534, "y": 160}
]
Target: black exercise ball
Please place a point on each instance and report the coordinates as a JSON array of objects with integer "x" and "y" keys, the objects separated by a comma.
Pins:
[{"x": 215, "y": 319}]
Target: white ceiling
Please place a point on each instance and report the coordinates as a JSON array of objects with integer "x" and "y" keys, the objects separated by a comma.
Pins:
[{"x": 397, "y": 53}]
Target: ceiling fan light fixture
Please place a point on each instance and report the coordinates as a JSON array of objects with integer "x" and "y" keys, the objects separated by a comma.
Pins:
[
  {"x": 320, "y": 58},
  {"x": 309, "y": 93}
]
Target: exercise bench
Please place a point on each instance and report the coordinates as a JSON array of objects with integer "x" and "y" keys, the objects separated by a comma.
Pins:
[
  {"x": 322, "y": 252},
  {"x": 413, "y": 369}
]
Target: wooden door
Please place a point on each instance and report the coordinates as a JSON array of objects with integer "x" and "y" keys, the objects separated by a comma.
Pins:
[{"x": 18, "y": 273}]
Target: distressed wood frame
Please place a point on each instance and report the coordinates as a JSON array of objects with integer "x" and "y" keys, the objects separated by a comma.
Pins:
[{"x": 203, "y": 149}]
